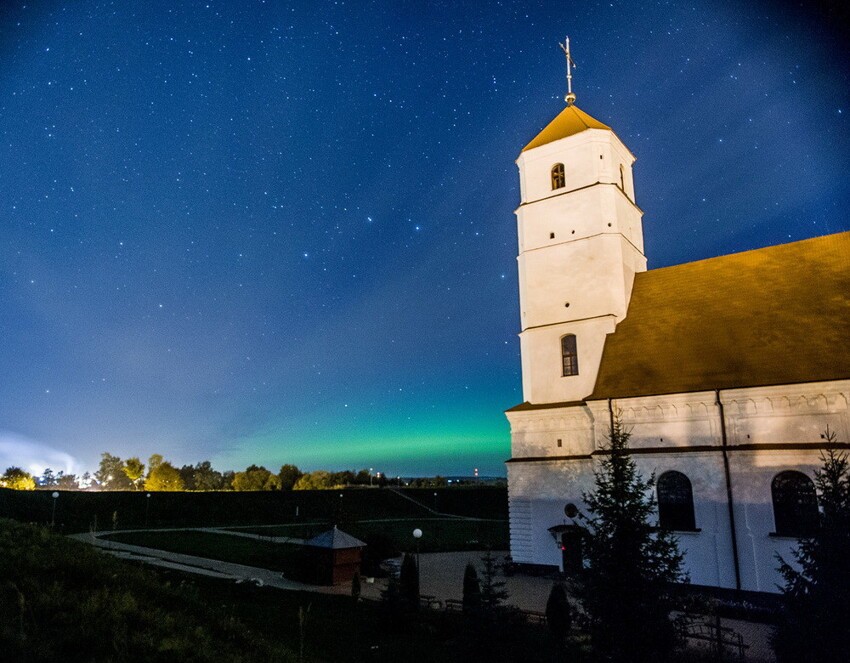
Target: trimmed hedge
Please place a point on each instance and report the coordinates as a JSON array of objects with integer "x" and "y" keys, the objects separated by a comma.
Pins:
[{"x": 76, "y": 511}]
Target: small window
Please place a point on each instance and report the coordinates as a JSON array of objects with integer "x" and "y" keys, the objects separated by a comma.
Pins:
[
  {"x": 795, "y": 504},
  {"x": 622, "y": 178},
  {"x": 675, "y": 502},
  {"x": 569, "y": 355},
  {"x": 558, "y": 179}
]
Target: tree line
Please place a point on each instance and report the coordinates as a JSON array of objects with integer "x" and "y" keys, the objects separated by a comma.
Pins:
[{"x": 115, "y": 473}]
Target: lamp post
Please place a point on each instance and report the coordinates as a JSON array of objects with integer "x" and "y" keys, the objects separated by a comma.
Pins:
[
  {"x": 417, "y": 534},
  {"x": 370, "y": 476},
  {"x": 53, "y": 515},
  {"x": 147, "y": 507},
  {"x": 435, "y": 500}
]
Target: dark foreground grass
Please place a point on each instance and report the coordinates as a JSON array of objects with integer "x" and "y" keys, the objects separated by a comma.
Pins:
[
  {"x": 336, "y": 628},
  {"x": 62, "y": 600}
]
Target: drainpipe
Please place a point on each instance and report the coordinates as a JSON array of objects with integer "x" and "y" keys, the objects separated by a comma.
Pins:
[{"x": 729, "y": 500}]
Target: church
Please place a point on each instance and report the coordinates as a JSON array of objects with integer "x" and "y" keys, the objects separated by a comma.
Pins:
[{"x": 726, "y": 371}]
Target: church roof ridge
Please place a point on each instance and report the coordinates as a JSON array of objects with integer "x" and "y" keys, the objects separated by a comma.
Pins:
[
  {"x": 570, "y": 121},
  {"x": 769, "y": 316}
]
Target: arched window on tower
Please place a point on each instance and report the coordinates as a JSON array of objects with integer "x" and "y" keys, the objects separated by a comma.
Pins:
[
  {"x": 795, "y": 504},
  {"x": 559, "y": 180},
  {"x": 569, "y": 355},
  {"x": 622, "y": 178},
  {"x": 675, "y": 502}
]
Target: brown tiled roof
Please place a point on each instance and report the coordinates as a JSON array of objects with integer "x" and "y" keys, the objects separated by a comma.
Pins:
[
  {"x": 570, "y": 121},
  {"x": 777, "y": 315}
]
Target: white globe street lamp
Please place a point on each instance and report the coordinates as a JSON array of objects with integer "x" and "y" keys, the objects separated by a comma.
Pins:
[
  {"x": 53, "y": 516},
  {"x": 417, "y": 534}
]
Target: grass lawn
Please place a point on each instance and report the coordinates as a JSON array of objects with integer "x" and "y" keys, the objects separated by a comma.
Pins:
[
  {"x": 439, "y": 534},
  {"x": 385, "y": 538},
  {"x": 224, "y": 547}
]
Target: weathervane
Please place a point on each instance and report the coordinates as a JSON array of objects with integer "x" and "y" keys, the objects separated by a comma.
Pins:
[{"x": 565, "y": 47}]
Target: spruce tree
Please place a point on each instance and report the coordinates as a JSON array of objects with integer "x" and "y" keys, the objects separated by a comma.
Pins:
[
  {"x": 813, "y": 624},
  {"x": 471, "y": 590},
  {"x": 493, "y": 592},
  {"x": 624, "y": 590},
  {"x": 409, "y": 583},
  {"x": 559, "y": 616}
]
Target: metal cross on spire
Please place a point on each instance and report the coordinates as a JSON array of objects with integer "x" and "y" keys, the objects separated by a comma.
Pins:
[{"x": 565, "y": 47}]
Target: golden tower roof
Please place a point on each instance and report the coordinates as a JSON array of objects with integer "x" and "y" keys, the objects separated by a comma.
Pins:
[{"x": 570, "y": 121}]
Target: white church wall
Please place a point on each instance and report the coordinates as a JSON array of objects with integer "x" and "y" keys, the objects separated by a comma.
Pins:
[
  {"x": 580, "y": 155},
  {"x": 551, "y": 433},
  {"x": 542, "y": 374},
  {"x": 752, "y": 475},
  {"x": 537, "y": 494},
  {"x": 788, "y": 413},
  {"x": 580, "y": 214},
  {"x": 677, "y": 420},
  {"x": 563, "y": 281},
  {"x": 784, "y": 424},
  {"x": 626, "y": 219},
  {"x": 708, "y": 552}
]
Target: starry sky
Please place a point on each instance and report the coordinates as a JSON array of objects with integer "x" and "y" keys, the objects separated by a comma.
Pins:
[{"x": 283, "y": 232}]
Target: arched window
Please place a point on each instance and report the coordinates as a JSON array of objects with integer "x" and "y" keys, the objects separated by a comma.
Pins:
[
  {"x": 675, "y": 502},
  {"x": 569, "y": 355},
  {"x": 795, "y": 504},
  {"x": 559, "y": 181},
  {"x": 622, "y": 178}
]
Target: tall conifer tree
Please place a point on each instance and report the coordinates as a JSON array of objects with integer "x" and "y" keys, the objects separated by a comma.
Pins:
[
  {"x": 625, "y": 589},
  {"x": 815, "y": 622}
]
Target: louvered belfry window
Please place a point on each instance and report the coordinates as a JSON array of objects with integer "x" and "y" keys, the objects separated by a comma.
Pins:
[{"x": 559, "y": 181}]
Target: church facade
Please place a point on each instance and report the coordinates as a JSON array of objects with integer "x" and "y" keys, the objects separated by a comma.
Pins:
[{"x": 726, "y": 371}]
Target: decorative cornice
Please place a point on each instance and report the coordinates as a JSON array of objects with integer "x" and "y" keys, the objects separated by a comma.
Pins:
[{"x": 703, "y": 448}]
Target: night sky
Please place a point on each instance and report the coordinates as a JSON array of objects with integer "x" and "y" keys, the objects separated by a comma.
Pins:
[{"x": 274, "y": 232}]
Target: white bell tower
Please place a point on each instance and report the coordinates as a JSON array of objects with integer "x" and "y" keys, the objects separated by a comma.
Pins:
[{"x": 580, "y": 245}]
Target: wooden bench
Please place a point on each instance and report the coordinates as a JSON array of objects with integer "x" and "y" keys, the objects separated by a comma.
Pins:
[
  {"x": 430, "y": 602},
  {"x": 534, "y": 617},
  {"x": 720, "y": 639},
  {"x": 453, "y": 605}
]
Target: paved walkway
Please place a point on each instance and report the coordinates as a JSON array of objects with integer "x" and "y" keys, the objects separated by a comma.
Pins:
[{"x": 201, "y": 565}]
